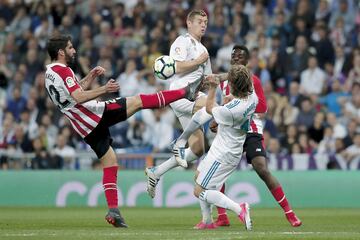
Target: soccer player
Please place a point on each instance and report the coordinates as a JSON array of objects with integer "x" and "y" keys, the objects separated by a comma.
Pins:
[
  {"x": 255, "y": 152},
  {"x": 254, "y": 148},
  {"x": 225, "y": 152},
  {"x": 90, "y": 118},
  {"x": 192, "y": 63}
]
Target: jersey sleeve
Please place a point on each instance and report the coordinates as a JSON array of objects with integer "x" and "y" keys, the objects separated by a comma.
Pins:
[
  {"x": 178, "y": 50},
  {"x": 261, "y": 107},
  {"x": 223, "y": 115}
]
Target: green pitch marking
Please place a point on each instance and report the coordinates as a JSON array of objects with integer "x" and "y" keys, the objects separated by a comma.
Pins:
[{"x": 159, "y": 224}]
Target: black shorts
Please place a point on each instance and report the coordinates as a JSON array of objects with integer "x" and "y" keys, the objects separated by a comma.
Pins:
[
  {"x": 100, "y": 139},
  {"x": 253, "y": 146}
]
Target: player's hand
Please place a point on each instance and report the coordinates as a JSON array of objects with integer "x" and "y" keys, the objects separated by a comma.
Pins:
[
  {"x": 97, "y": 71},
  {"x": 212, "y": 80},
  {"x": 228, "y": 98},
  {"x": 202, "y": 58},
  {"x": 112, "y": 86},
  {"x": 213, "y": 126}
]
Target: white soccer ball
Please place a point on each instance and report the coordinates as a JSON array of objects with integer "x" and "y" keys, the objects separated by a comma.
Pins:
[{"x": 164, "y": 67}]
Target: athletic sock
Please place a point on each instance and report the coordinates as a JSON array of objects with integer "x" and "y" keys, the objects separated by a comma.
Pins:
[
  {"x": 281, "y": 199},
  {"x": 162, "y": 98},
  {"x": 199, "y": 119},
  {"x": 190, "y": 156},
  {"x": 220, "y": 210},
  {"x": 171, "y": 163},
  {"x": 165, "y": 166},
  {"x": 206, "y": 212},
  {"x": 220, "y": 200},
  {"x": 110, "y": 186}
]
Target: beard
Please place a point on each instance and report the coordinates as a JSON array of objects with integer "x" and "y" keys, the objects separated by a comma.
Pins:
[{"x": 70, "y": 60}]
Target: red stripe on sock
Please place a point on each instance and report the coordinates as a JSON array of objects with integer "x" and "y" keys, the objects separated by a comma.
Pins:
[
  {"x": 281, "y": 198},
  {"x": 109, "y": 181}
]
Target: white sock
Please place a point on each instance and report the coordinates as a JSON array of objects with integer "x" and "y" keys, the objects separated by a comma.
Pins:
[
  {"x": 197, "y": 120},
  {"x": 190, "y": 156},
  {"x": 171, "y": 163},
  {"x": 206, "y": 212},
  {"x": 220, "y": 200},
  {"x": 165, "y": 166}
]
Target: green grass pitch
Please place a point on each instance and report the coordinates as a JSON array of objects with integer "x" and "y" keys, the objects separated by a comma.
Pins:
[{"x": 171, "y": 223}]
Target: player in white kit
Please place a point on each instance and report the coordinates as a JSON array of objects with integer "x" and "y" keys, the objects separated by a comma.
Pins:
[
  {"x": 90, "y": 118},
  {"x": 225, "y": 152},
  {"x": 192, "y": 63}
]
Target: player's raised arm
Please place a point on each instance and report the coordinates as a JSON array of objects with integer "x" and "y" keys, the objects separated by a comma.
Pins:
[
  {"x": 81, "y": 96},
  {"x": 210, "y": 101},
  {"x": 89, "y": 78},
  {"x": 191, "y": 65}
]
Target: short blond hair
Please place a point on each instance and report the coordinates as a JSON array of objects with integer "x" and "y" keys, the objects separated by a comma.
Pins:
[{"x": 195, "y": 12}]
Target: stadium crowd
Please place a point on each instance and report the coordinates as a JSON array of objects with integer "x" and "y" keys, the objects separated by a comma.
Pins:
[{"x": 306, "y": 53}]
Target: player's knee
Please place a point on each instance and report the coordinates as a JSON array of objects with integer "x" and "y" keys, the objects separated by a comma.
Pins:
[
  {"x": 261, "y": 168},
  {"x": 197, "y": 190}
]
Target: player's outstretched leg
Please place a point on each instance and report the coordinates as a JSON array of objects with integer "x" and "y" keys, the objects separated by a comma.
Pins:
[{"x": 114, "y": 217}]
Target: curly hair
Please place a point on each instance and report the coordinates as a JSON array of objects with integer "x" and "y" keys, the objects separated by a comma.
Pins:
[{"x": 240, "y": 81}]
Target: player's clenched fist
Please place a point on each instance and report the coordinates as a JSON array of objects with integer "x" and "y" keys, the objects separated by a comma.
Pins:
[{"x": 97, "y": 71}]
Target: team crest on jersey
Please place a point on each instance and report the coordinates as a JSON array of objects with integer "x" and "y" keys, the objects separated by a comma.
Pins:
[{"x": 70, "y": 82}]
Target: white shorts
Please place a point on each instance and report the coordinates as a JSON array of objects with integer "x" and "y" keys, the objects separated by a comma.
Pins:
[
  {"x": 212, "y": 173},
  {"x": 183, "y": 109}
]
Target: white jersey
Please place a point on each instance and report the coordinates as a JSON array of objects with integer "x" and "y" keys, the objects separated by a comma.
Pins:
[
  {"x": 256, "y": 124},
  {"x": 60, "y": 82},
  {"x": 186, "y": 48},
  {"x": 234, "y": 122}
]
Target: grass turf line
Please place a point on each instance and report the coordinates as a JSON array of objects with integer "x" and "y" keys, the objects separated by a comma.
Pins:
[{"x": 171, "y": 223}]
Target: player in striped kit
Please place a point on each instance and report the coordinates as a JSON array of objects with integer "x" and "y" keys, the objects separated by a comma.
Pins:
[{"x": 90, "y": 118}]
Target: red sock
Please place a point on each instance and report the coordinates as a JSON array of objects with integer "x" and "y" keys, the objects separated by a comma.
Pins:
[
  {"x": 110, "y": 187},
  {"x": 280, "y": 198},
  {"x": 162, "y": 98},
  {"x": 221, "y": 211}
]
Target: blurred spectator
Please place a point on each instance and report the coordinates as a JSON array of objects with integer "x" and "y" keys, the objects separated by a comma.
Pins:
[
  {"x": 327, "y": 144},
  {"x": 323, "y": 11},
  {"x": 290, "y": 138},
  {"x": 224, "y": 53},
  {"x": 312, "y": 80},
  {"x": 295, "y": 97},
  {"x": 306, "y": 115},
  {"x": 324, "y": 47},
  {"x": 162, "y": 132},
  {"x": 338, "y": 129},
  {"x": 316, "y": 131},
  {"x": 353, "y": 151},
  {"x": 346, "y": 13},
  {"x": 65, "y": 152},
  {"x": 128, "y": 81},
  {"x": 16, "y": 103},
  {"x": 332, "y": 99},
  {"x": 297, "y": 59}
]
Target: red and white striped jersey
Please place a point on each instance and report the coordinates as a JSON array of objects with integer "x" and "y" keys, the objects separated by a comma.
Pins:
[
  {"x": 256, "y": 125},
  {"x": 60, "y": 82}
]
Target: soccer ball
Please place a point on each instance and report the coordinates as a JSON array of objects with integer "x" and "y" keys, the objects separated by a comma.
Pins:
[{"x": 164, "y": 67}]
